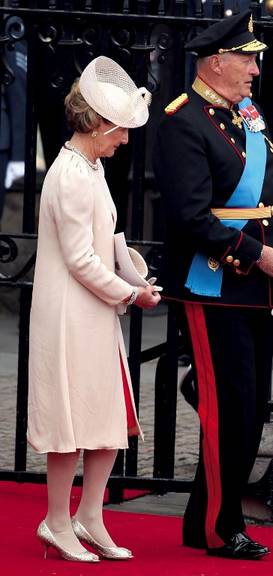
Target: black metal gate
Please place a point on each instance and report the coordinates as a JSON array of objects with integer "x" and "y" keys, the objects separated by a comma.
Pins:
[{"x": 146, "y": 38}]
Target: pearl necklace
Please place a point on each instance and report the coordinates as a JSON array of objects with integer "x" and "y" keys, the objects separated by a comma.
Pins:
[{"x": 69, "y": 146}]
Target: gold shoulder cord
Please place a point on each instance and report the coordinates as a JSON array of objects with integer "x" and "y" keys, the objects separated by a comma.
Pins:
[{"x": 269, "y": 142}]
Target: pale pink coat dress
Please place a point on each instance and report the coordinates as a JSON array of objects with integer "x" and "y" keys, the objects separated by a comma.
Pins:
[{"x": 76, "y": 388}]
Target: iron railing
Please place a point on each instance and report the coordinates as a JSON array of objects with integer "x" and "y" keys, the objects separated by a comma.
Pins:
[{"x": 147, "y": 38}]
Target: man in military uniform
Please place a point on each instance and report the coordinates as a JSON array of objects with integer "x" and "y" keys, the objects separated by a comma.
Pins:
[{"x": 213, "y": 161}]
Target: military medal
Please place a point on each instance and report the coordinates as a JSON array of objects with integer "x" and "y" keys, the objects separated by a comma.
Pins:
[
  {"x": 236, "y": 119},
  {"x": 252, "y": 118},
  {"x": 213, "y": 264}
]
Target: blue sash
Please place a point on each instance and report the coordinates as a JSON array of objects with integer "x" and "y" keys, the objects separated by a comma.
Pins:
[{"x": 201, "y": 279}]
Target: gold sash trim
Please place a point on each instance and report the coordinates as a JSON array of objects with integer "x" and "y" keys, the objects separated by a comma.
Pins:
[{"x": 243, "y": 213}]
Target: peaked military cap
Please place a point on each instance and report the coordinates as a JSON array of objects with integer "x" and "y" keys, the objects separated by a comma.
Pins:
[{"x": 232, "y": 34}]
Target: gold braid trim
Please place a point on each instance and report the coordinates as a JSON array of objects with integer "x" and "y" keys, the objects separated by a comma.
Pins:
[
  {"x": 253, "y": 46},
  {"x": 209, "y": 94},
  {"x": 269, "y": 142}
]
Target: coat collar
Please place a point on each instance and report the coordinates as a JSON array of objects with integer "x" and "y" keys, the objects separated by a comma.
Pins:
[{"x": 209, "y": 94}]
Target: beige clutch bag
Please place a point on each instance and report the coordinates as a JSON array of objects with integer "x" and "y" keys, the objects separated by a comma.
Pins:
[{"x": 129, "y": 264}]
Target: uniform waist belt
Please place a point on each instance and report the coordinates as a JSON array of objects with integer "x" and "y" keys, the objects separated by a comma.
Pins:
[{"x": 243, "y": 213}]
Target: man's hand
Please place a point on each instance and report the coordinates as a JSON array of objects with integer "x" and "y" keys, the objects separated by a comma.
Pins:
[{"x": 265, "y": 263}]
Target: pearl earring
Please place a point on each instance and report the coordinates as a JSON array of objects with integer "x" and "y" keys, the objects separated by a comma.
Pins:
[{"x": 94, "y": 134}]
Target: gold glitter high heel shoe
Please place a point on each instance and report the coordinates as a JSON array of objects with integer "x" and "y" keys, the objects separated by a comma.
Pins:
[
  {"x": 48, "y": 539},
  {"x": 108, "y": 552}
]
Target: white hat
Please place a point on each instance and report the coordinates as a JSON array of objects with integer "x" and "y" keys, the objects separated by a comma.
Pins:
[
  {"x": 130, "y": 265},
  {"x": 110, "y": 91}
]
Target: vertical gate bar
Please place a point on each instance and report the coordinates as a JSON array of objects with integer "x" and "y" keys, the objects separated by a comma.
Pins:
[
  {"x": 198, "y": 12},
  {"x": 255, "y": 8},
  {"x": 266, "y": 87},
  {"x": 31, "y": 132},
  {"x": 88, "y": 6},
  {"x": 161, "y": 8},
  {"x": 180, "y": 8},
  {"x": 165, "y": 404},
  {"x": 125, "y": 7},
  {"x": 134, "y": 366},
  {"x": 28, "y": 226},
  {"x": 138, "y": 183},
  {"x": 22, "y": 387},
  {"x": 218, "y": 8},
  {"x": 1, "y": 58},
  {"x": 139, "y": 140},
  {"x": 105, "y": 6}
]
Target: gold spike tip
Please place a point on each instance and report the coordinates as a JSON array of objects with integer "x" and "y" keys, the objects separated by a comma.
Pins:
[{"x": 176, "y": 104}]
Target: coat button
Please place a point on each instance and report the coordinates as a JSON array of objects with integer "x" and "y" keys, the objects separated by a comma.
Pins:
[
  {"x": 265, "y": 223},
  {"x": 232, "y": 140},
  {"x": 211, "y": 112},
  {"x": 229, "y": 259},
  {"x": 236, "y": 263},
  {"x": 261, "y": 205},
  {"x": 243, "y": 154},
  {"x": 222, "y": 126}
]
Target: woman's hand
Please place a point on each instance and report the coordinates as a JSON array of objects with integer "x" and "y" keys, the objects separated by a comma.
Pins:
[{"x": 147, "y": 297}]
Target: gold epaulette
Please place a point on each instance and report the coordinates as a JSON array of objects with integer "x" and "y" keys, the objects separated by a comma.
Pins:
[{"x": 176, "y": 104}]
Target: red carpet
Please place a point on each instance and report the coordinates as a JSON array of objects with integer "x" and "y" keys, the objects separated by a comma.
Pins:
[{"x": 155, "y": 541}]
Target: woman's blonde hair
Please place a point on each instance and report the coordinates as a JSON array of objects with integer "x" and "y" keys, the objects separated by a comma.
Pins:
[{"x": 80, "y": 116}]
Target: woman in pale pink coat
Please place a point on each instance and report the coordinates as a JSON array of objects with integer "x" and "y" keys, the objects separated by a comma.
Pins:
[{"x": 80, "y": 394}]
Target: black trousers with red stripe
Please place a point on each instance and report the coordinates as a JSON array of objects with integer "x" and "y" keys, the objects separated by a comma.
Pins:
[{"x": 232, "y": 360}]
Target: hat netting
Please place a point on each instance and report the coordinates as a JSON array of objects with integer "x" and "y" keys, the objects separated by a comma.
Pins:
[{"x": 110, "y": 91}]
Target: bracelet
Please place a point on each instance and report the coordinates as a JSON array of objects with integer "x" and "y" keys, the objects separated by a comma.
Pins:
[{"x": 132, "y": 298}]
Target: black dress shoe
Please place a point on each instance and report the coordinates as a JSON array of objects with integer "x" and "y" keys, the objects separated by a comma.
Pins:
[{"x": 240, "y": 547}]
